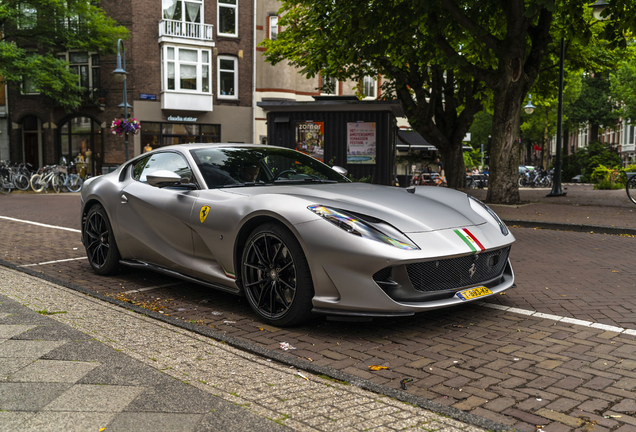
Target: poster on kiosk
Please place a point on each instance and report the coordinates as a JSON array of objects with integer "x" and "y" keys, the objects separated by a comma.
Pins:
[{"x": 361, "y": 143}]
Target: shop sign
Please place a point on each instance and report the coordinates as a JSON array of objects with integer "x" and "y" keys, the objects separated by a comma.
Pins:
[
  {"x": 148, "y": 96},
  {"x": 310, "y": 138},
  {"x": 361, "y": 143},
  {"x": 182, "y": 119}
]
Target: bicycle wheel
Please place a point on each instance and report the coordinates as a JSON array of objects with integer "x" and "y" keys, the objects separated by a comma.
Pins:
[
  {"x": 36, "y": 183},
  {"x": 4, "y": 190},
  {"x": 21, "y": 182},
  {"x": 74, "y": 183},
  {"x": 631, "y": 189}
]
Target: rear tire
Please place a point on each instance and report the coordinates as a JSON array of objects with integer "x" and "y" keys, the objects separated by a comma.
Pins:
[
  {"x": 276, "y": 277},
  {"x": 99, "y": 241}
]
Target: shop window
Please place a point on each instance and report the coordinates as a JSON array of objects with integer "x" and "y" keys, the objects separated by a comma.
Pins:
[
  {"x": 186, "y": 69},
  {"x": 187, "y": 11},
  {"x": 81, "y": 141},
  {"x": 228, "y": 18},
  {"x": 228, "y": 77},
  {"x": 163, "y": 134},
  {"x": 273, "y": 27}
]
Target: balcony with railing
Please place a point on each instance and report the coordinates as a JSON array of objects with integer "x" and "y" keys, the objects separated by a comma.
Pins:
[{"x": 184, "y": 29}]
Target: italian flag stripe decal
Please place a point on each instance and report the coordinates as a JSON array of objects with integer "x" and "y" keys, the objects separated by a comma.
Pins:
[{"x": 470, "y": 240}]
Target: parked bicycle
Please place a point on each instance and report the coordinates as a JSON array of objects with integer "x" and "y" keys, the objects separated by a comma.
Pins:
[
  {"x": 5, "y": 183},
  {"x": 17, "y": 174}
]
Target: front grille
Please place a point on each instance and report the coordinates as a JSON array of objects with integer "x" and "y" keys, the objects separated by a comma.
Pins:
[{"x": 455, "y": 273}]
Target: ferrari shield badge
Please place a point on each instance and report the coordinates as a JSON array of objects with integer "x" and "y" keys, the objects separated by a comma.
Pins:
[{"x": 204, "y": 213}]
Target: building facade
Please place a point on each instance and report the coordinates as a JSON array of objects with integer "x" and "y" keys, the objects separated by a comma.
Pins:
[{"x": 190, "y": 79}]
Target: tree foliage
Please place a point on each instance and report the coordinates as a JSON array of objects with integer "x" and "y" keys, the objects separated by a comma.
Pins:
[
  {"x": 623, "y": 84},
  {"x": 35, "y": 31},
  {"x": 491, "y": 44}
]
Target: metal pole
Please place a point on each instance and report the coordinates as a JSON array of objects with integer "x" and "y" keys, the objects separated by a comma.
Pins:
[
  {"x": 125, "y": 94},
  {"x": 556, "y": 185}
]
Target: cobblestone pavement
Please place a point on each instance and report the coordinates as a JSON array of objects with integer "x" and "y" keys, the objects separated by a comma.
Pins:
[
  {"x": 55, "y": 378},
  {"x": 556, "y": 353}
]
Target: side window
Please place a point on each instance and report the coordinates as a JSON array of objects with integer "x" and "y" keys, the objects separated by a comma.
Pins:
[{"x": 162, "y": 161}]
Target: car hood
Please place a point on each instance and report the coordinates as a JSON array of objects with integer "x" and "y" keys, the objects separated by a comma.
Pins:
[{"x": 427, "y": 209}]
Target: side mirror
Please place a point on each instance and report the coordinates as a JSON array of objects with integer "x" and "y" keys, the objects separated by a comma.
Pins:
[
  {"x": 163, "y": 178},
  {"x": 340, "y": 170}
]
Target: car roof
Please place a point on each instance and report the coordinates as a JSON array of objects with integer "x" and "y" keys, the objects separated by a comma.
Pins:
[{"x": 195, "y": 146}]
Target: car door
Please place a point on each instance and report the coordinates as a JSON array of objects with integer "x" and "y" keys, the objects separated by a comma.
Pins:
[{"x": 155, "y": 222}]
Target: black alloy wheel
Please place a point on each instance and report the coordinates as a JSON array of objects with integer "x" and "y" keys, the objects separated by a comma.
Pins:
[
  {"x": 99, "y": 241},
  {"x": 631, "y": 189},
  {"x": 275, "y": 276}
]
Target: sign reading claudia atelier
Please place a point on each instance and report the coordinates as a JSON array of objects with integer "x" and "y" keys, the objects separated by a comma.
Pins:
[{"x": 182, "y": 119}]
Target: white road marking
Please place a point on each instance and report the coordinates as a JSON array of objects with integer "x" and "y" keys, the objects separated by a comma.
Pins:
[
  {"x": 40, "y": 224},
  {"x": 559, "y": 318},
  {"x": 152, "y": 288},
  {"x": 53, "y": 262}
]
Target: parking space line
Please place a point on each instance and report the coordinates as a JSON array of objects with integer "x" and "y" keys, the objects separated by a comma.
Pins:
[
  {"x": 558, "y": 318},
  {"x": 152, "y": 288},
  {"x": 40, "y": 224},
  {"x": 53, "y": 262}
]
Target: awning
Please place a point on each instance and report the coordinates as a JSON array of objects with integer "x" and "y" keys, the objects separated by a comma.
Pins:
[{"x": 411, "y": 140}]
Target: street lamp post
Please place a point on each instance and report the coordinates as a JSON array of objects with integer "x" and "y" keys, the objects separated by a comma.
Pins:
[
  {"x": 120, "y": 75},
  {"x": 557, "y": 191}
]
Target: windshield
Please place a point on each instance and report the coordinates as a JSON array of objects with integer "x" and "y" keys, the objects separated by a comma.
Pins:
[{"x": 251, "y": 166}]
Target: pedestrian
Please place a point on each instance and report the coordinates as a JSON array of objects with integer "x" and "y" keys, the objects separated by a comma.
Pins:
[{"x": 440, "y": 167}]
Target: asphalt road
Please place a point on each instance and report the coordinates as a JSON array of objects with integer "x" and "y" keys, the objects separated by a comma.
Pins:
[{"x": 521, "y": 359}]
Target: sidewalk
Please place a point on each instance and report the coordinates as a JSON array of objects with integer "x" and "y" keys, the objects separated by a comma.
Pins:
[
  {"x": 583, "y": 208},
  {"x": 71, "y": 362}
]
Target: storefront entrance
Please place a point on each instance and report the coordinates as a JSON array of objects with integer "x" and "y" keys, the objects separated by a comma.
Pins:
[{"x": 81, "y": 141}]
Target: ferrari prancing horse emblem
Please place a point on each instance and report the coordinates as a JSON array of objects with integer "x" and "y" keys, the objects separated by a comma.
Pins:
[
  {"x": 204, "y": 213},
  {"x": 472, "y": 270}
]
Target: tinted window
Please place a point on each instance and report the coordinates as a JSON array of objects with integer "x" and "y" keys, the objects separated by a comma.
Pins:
[
  {"x": 228, "y": 167},
  {"x": 162, "y": 161}
]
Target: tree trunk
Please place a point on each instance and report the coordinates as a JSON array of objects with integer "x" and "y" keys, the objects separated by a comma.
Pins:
[
  {"x": 503, "y": 186},
  {"x": 453, "y": 160}
]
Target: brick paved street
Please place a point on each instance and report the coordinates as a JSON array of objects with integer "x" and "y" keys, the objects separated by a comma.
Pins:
[{"x": 525, "y": 371}]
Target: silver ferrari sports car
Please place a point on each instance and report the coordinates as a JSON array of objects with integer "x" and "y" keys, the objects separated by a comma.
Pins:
[{"x": 293, "y": 235}]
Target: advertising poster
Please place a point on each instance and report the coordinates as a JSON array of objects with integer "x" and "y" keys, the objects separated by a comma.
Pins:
[
  {"x": 361, "y": 143},
  {"x": 310, "y": 139}
]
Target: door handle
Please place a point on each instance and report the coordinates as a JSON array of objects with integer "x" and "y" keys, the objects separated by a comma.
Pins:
[{"x": 124, "y": 199}]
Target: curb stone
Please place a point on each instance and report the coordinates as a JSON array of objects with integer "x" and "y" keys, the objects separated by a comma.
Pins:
[
  {"x": 252, "y": 348},
  {"x": 596, "y": 229}
]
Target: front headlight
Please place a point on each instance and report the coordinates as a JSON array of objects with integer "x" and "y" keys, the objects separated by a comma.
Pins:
[
  {"x": 502, "y": 225},
  {"x": 354, "y": 225}
]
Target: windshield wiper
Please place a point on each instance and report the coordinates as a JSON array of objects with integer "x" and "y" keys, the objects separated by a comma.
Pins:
[
  {"x": 305, "y": 180},
  {"x": 245, "y": 184}
]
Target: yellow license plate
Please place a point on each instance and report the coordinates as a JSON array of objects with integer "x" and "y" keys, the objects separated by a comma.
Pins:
[{"x": 473, "y": 293}]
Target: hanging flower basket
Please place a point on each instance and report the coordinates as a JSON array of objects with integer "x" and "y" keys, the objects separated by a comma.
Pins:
[{"x": 121, "y": 126}]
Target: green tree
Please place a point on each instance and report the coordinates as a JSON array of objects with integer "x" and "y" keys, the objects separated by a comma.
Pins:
[
  {"x": 501, "y": 45},
  {"x": 35, "y": 31},
  {"x": 594, "y": 106},
  {"x": 623, "y": 84}
]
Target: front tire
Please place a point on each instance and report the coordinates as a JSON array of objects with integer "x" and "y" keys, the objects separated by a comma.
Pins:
[
  {"x": 36, "y": 183},
  {"x": 276, "y": 277},
  {"x": 21, "y": 182},
  {"x": 99, "y": 241},
  {"x": 74, "y": 183}
]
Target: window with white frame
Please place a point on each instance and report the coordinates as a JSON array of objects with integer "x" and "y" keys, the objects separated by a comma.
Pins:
[
  {"x": 328, "y": 86},
  {"x": 28, "y": 16},
  {"x": 369, "y": 87},
  {"x": 228, "y": 18},
  {"x": 86, "y": 66},
  {"x": 186, "y": 69},
  {"x": 228, "y": 77},
  {"x": 273, "y": 27},
  {"x": 180, "y": 10}
]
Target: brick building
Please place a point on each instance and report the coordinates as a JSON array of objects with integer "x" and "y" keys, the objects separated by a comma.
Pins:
[{"x": 190, "y": 79}]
